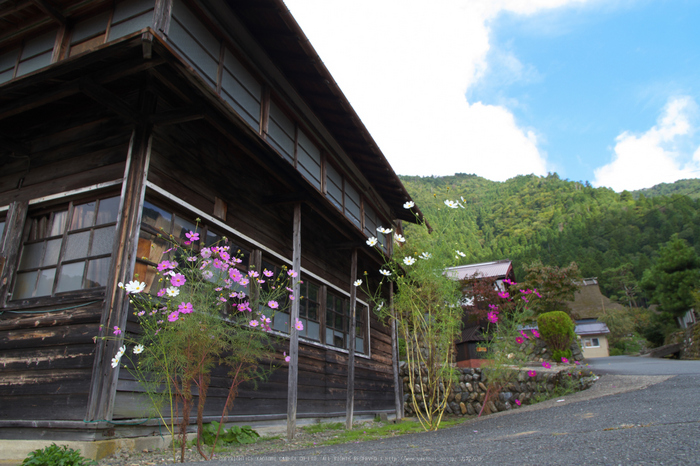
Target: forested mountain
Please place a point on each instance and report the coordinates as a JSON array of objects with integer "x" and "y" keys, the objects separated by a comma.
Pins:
[{"x": 559, "y": 221}]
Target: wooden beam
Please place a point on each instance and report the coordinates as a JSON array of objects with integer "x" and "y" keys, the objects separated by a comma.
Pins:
[
  {"x": 293, "y": 333},
  {"x": 350, "y": 402},
  {"x": 102, "y": 96},
  {"x": 51, "y": 10},
  {"x": 18, "y": 6},
  {"x": 124, "y": 252},
  {"x": 11, "y": 242},
  {"x": 395, "y": 356},
  {"x": 73, "y": 87},
  {"x": 173, "y": 117}
]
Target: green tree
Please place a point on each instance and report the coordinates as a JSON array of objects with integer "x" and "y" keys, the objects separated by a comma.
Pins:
[
  {"x": 556, "y": 286},
  {"x": 621, "y": 285},
  {"x": 673, "y": 278}
]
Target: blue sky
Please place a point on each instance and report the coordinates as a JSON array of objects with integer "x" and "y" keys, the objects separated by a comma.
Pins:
[
  {"x": 589, "y": 73},
  {"x": 605, "y": 91}
]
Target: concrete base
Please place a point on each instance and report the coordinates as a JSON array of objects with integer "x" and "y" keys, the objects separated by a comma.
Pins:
[{"x": 15, "y": 451}]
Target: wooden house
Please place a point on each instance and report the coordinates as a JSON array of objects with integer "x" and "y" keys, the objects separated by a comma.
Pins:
[
  {"x": 471, "y": 347},
  {"x": 120, "y": 117}
]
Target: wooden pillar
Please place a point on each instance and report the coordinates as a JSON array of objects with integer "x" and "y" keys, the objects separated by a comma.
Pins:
[
  {"x": 104, "y": 377},
  {"x": 398, "y": 401},
  {"x": 293, "y": 333},
  {"x": 351, "y": 350},
  {"x": 11, "y": 243}
]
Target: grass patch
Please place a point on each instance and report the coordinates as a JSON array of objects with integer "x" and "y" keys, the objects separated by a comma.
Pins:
[
  {"x": 364, "y": 433},
  {"x": 323, "y": 426}
]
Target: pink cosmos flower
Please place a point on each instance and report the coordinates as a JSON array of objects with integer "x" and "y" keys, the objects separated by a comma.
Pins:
[
  {"x": 524, "y": 335},
  {"x": 173, "y": 316},
  {"x": 492, "y": 317},
  {"x": 205, "y": 253},
  {"x": 185, "y": 308},
  {"x": 273, "y": 304},
  {"x": 532, "y": 373},
  {"x": 162, "y": 292},
  {"x": 233, "y": 295},
  {"x": 291, "y": 297},
  {"x": 254, "y": 323},
  {"x": 244, "y": 282},
  {"x": 141, "y": 313},
  {"x": 187, "y": 243},
  {"x": 218, "y": 264},
  {"x": 268, "y": 273},
  {"x": 524, "y": 299},
  {"x": 222, "y": 299},
  {"x": 577, "y": 363},
  {"x": 519, "y": 340},
  {"x": 503, "y": 294},
  {"x": 218, "y": 288},
  {"x": 286, "y": 358},
  {"x": 178, "y": 279},
  {"x": 117, "y": 331},
  {"x": 192, "y": 236},
  {"x": 235, "y": 275},
  {"x": 224, "y": 255},
  {"x": 564, "y": 360},
  {"x": 546, "y": 365},
  {"x": 493, "y": 307},
  {"x": 299, "y": 325},
  {"x": 291, "y": 273},
  {"x": 192, "y": 259},
  {"x": 289, "y": 289},
  {"x": 517, "y": 402},
  {"x": 163, "y": 266},
  {"x": 244, "y": 307},
  {"x": 253, "y": 274},
  {"x": 535, "y": 334}
]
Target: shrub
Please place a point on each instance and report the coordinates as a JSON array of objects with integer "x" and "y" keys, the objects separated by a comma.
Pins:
[
  {"x": 557, "y": 330},
  {"x": 54, "y": 455}
]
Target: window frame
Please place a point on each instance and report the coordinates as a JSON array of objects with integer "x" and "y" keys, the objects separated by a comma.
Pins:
[{"x": 64, "y": 202}]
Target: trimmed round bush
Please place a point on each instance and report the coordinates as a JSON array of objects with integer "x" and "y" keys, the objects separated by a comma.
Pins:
[{"x": 557, "y": 330}]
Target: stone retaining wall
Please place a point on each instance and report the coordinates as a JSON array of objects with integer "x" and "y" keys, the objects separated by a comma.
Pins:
[{"x": 469, "y": 393}]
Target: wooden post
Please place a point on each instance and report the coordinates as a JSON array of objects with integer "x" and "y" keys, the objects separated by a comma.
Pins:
[
  {"x": 11, "y": 243},
  {"x": 104, "y": 377},
  {"x": 293, "y": 334},
  {"x": 351, "y": 350},
  {"x": 398, "y": 402}
]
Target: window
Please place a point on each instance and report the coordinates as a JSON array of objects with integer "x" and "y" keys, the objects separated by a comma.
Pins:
[
  {"x": 338, "y": 323},
  {"x": 591, "y": 343},
  {"x": 157, "y": 223},
  {"x": 309, "y": 314},
  {"x": 67, "y": 248}
]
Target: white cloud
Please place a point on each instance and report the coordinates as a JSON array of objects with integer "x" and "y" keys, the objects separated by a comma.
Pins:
[
  {"x": 406, "y": 66},
  {"x": 659, "y": 155}
]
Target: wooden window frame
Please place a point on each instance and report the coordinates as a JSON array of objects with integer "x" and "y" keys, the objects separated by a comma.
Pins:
[{"x": 51, "y": 208}]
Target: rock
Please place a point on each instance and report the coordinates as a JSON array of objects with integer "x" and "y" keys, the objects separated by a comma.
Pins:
[
  {"x": 463, "y": 386},
  {"x": 482, "y": 387},
  {"x": 508, "y": 406},
  {"x": 481, "y": 397},
  {"x": 463, "y": 408},
  {"x": 492, "y": 407},
  {"x": 477, "y": 407},
  {"x": 505, "y": 396},
  {"x": 470, "y": 410},
  {"x": 469, "y": 387},
  {"x": 450, "y": 398},
  {"x": 458, "y": 397},
  {"x": 500, "y": 405}
]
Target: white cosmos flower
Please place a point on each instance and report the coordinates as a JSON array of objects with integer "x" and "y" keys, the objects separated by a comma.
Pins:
[
  {"x": 357, "y": 282},
  {"x": 121, "y": 285},
  {"x": 172, "y": 291},
  {"x": 384, "y": 272},
  {"x": 409, "y": 204},
  {"x": 386, "y": 231},
  {"x": 399, "y": 238},
  {"x": 372, "y": 242},
  {"x": 121, "y": 351},
  {"x": 135, "y": 286},
  {"x": 138, "y": 349},
  {"x": 409, "y": 260},
  {"x": 460, "y": 253},
  {"x": 451, "y": 204},
  {"x": 115, "y": 361},
  {"x": 425, "y": 255}
]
